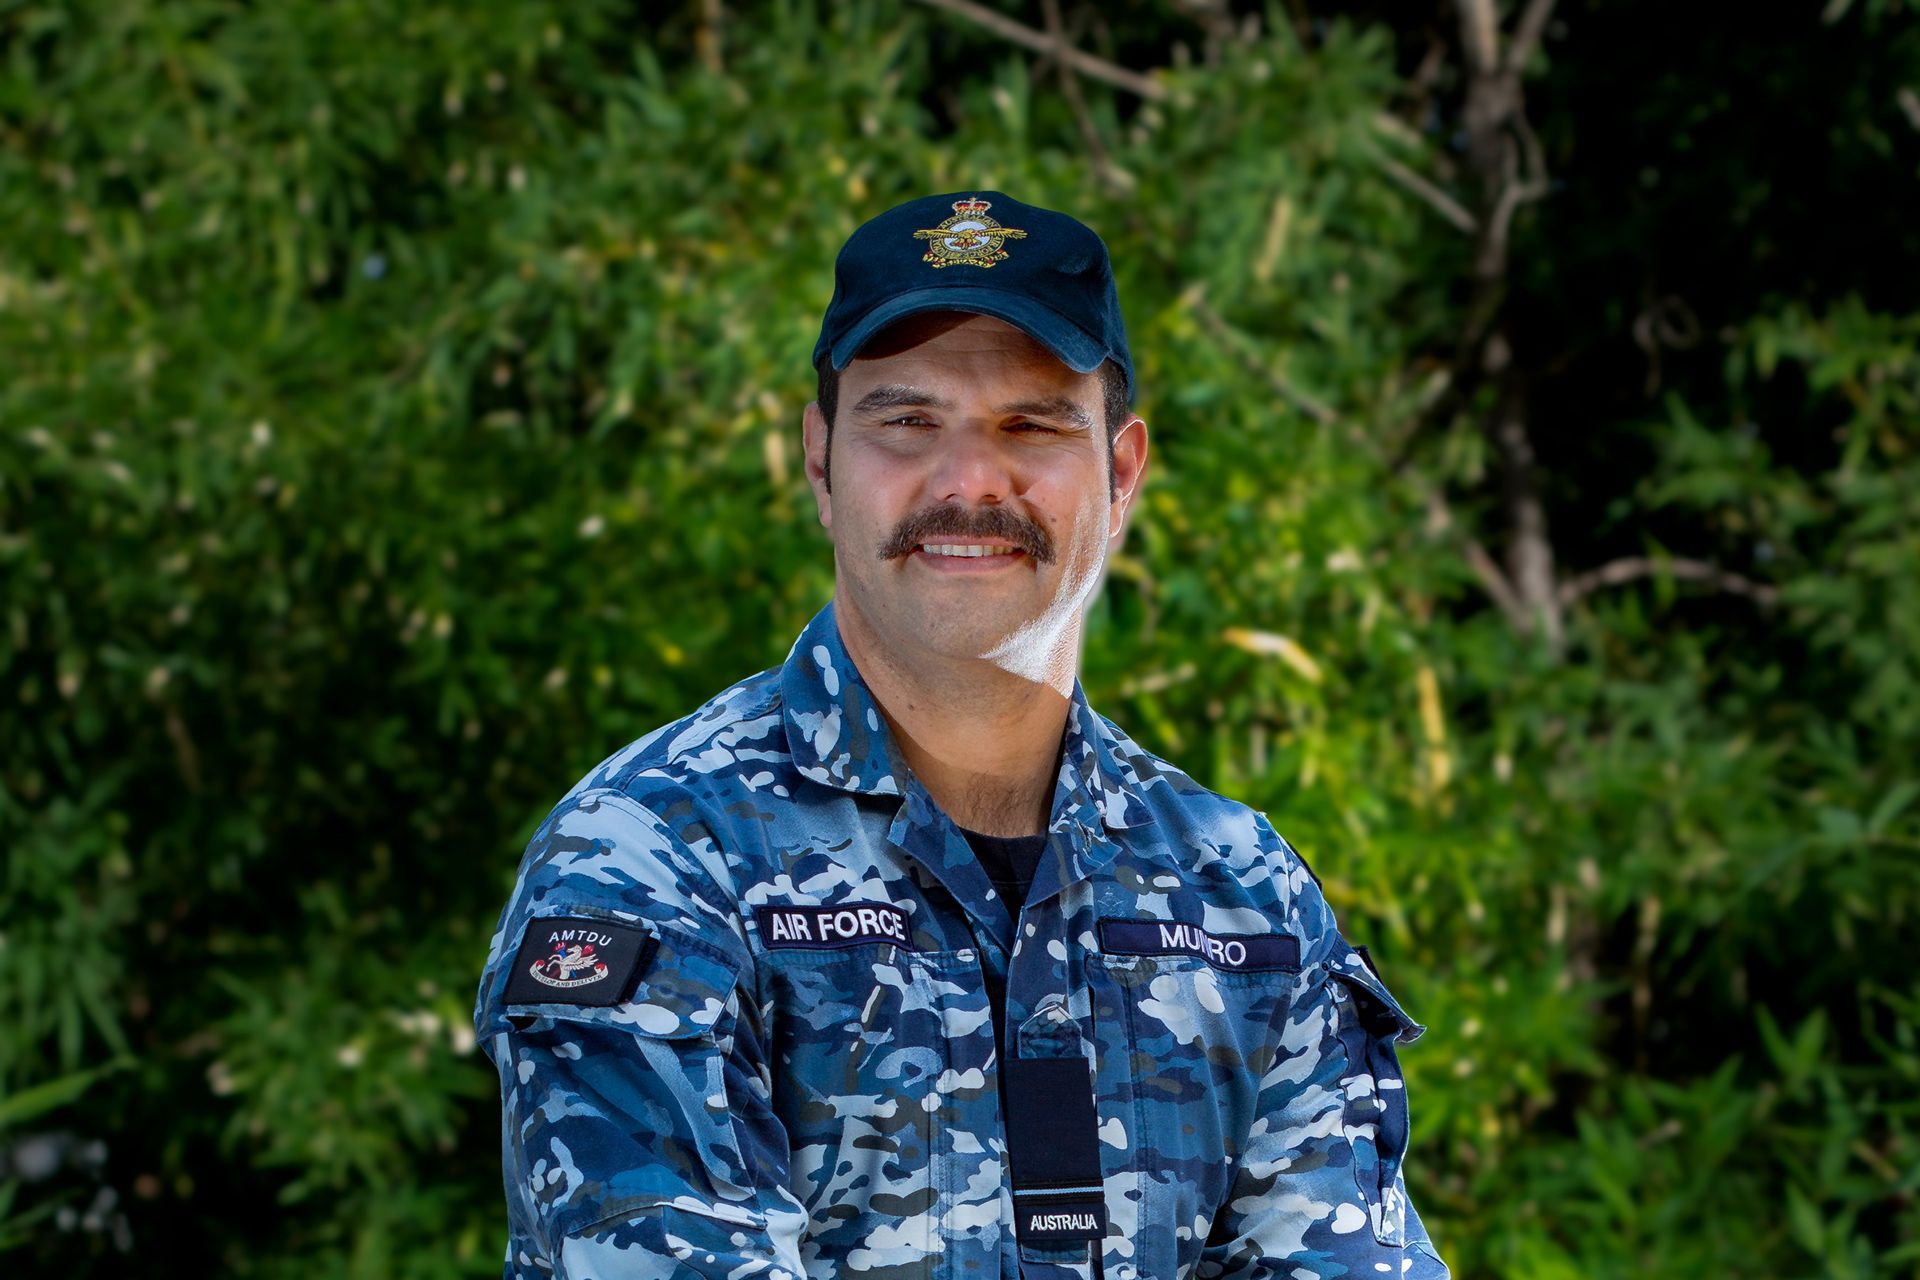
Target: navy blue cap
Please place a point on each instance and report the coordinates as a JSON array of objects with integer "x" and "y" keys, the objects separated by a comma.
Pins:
[{"x": 985, "y": 253}]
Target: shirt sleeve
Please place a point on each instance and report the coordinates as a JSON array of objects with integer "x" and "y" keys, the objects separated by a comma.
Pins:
[
  {"x": 1320, "y": 1184},
  {"x": 637, "y": 1134}
]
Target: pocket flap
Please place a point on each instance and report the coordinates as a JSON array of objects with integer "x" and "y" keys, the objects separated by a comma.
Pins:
[{"x": 1378, "y": 1008}]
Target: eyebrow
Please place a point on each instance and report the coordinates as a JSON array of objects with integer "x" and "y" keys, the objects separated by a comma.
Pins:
[
  {"x": 899, "y": 396},
  {"x": 1061, "y": 407}
]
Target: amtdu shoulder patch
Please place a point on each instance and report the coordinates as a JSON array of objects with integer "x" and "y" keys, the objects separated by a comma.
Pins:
[{"x": 579, "y": 960}]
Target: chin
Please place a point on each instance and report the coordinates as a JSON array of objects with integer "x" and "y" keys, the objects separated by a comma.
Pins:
[{"x": 973, "y": 634}]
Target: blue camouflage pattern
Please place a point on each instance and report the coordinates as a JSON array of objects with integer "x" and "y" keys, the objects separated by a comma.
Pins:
[{"x": 766, "y": 1108}]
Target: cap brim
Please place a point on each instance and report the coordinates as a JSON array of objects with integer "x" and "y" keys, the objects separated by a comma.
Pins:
[{"x": 1078, "y": 349}]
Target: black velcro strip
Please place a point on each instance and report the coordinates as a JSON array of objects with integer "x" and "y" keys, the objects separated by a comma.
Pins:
[{"x": 1053, "y": 1137}]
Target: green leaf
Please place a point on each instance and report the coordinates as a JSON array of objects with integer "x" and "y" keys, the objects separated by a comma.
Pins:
[{"x": 18, "y": 1108}]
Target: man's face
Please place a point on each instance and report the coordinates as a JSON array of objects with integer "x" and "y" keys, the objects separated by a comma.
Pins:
[{"x": 961, "y": 431}]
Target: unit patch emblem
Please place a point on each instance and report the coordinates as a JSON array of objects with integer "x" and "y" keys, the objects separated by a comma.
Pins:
[
  {"x": 969, "y": 236},
  {"x": 573, "y": 964},
  {"x": 577, "y": 960}
]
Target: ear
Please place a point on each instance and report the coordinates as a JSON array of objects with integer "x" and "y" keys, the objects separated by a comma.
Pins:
[
  {"x": 1129, "y": 473},
  {"x": 813, "y": 435}
]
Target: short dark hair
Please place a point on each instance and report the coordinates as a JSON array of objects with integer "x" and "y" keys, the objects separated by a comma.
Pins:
[{"x": 1113, "y": 400}]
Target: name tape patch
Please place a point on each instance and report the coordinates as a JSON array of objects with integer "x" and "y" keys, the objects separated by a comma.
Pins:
[
  {"x": 1060, "y": 1219},
  {"x": 850, "y": 925},
  {"x": 1233, "y": 952},
  {"x": 577, "y": 960}
]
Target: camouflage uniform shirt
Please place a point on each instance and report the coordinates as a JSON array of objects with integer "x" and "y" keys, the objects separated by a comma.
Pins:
[{"x": 738, "y": 1004}]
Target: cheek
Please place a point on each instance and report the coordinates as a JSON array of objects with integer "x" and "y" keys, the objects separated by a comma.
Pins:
[
  {"x": 1091, "y": 512},
  {"x": 1093, "y": 532},
  {"x": 876, "y": 493},
  {"x": 862, "y": 517},
  {"x": 869, "y": 480}
]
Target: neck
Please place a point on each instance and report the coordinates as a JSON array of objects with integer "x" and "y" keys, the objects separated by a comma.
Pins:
[{"x": 982, "y": 740}]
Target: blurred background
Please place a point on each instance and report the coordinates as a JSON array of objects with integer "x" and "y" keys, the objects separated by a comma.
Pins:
[{"x": 400, "y": 411}]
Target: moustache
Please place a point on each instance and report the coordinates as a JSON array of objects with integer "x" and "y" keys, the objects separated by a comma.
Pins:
[{"x": 958, "y": 524}]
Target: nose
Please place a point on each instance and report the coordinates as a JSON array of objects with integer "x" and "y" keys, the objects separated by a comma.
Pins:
[{"x": 971, "y": 468}]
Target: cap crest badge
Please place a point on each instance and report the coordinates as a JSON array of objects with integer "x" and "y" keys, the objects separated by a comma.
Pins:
[{"x": 969, "y": 236}]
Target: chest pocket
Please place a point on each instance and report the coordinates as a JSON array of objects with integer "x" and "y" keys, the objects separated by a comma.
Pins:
[
  {"x": 1182, "y": 1048},
  {"x": 1369, "y": 1024},
  {"x": 857, "y": 1048}
]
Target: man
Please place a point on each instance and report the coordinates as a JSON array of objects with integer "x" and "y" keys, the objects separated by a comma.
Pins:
[{"x": 897, "y": 959}]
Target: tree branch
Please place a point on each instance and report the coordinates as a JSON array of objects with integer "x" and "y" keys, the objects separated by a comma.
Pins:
[
  {"x": 707, "y": 36},
  {"x": 1040, "y": 42},
  {"x": 1444, "y": 204},
  {"x": 1517, "y": 191},
  {"x": 1909, "y": 102},
  {"x": 1628, "y": 568},
  {"x": 1530, "y": 559},
  {"x": 1509, "y": 170},
  {"x": 1420, "y": 85},
  {"x": 1231, "y": 338},
  {"x": 184, "y": 752},
  {"x": 1116, "y": 180},
  {"x": 1479, "y": 36},
  {"x": 1440, "y": 521},
  {"x": 1526, "y": 35}
]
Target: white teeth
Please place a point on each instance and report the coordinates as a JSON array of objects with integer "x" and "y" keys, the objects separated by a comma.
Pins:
[{"x": 964, "y": 549}]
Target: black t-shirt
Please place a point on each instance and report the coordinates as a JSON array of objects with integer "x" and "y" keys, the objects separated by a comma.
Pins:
[{"x": 1009, "y": 862}]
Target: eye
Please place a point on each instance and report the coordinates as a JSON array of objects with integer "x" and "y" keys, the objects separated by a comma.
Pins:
[
  {"x": 1036, "y": 426},
  {"x": 907, "y": 420}
]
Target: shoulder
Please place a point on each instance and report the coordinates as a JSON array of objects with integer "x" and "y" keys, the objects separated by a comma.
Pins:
[
  {"x": 633, "y": 837},
  {"x": 1223, "y": 848},
  {"x": 1182, "y": 811},
  {"x": 711, "y": 747}
]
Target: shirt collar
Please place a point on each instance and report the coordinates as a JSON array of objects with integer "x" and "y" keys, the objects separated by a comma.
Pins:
[{"x": 838, "y": 737}]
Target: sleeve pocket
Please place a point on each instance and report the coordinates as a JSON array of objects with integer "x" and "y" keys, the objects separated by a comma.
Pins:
[
  {"x": 1371, "y": 1023},
  {"x": 624, "y": 1109}
]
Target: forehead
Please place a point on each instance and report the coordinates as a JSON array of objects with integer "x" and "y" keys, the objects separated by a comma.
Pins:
[{"x": 963, "y": 353}]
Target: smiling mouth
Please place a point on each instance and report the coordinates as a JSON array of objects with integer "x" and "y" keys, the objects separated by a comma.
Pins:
[{"x": 966, "y": 550}]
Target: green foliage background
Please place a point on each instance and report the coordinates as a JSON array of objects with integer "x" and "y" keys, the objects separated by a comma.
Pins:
[{"x": 399, "y": 411}]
